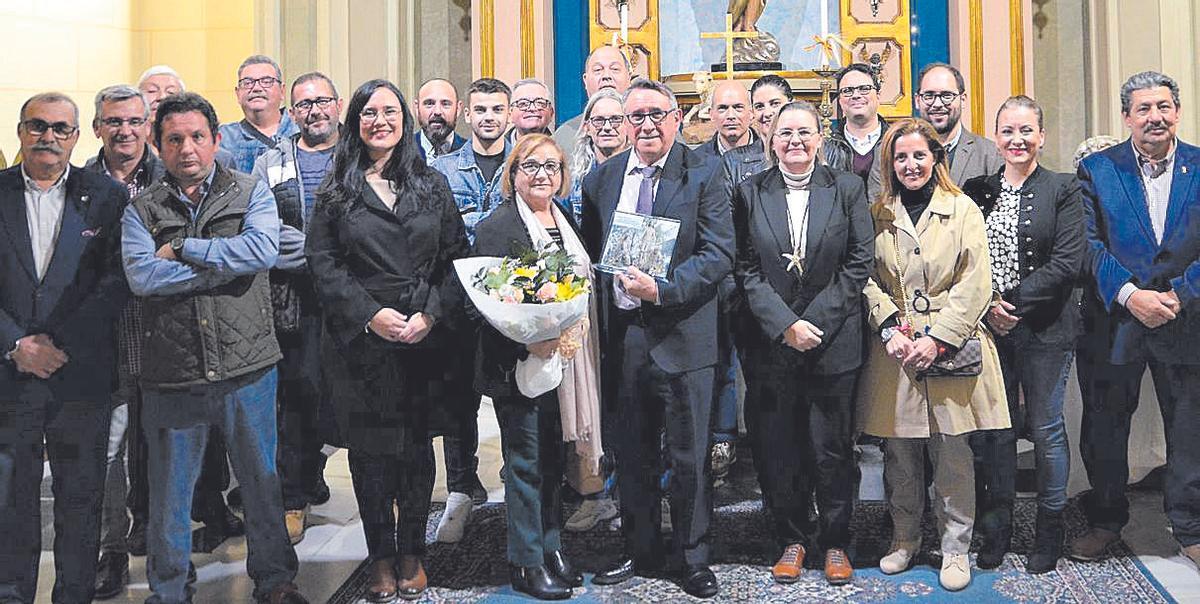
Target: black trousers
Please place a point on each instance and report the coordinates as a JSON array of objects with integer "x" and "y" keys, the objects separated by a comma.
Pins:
[
  {"x": 385, "y": 482},
  {"x": 534, "y": 453},
  {"x": 76, "y": 439},
  {"x": 299, "y": 457},
  {"x": 650, "y": 401},
  {"x": 1110, "y": 397},
  {"x": 801, "y": 431},
  {"x": 460, "y": 445},
  {"x": 137, "y": 457}
]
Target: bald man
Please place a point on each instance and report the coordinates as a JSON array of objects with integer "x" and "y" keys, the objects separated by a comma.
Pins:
[
  {"x": 606, "y": 67},
  {"x": 437, "y": 108},
  {"x": 732, "y": 115}
]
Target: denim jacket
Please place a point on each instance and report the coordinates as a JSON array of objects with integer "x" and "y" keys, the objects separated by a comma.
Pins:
[
  {"x": 475, "y": 197},
  {"x": 246, "y": 143}
]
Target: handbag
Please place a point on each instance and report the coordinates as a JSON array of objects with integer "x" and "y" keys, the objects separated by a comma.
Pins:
[{"x": 967, "y": 361}]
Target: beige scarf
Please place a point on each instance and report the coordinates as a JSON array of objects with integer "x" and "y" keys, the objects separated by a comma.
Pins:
[{"x": 579, "y": 392}]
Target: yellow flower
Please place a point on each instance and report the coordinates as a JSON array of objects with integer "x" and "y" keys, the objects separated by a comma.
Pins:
[{"x": 525, "y": 271}]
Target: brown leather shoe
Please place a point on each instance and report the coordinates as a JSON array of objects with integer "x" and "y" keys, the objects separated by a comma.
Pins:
[
  {"x": 790, "y": 565},
  {"x": 1093, "y": 545},
  {"x": 412, "y": 582},
  {"x": 286, "y": 594},
  {"x": 382, "y": 586},
  {"x": 837, "y": 567}
]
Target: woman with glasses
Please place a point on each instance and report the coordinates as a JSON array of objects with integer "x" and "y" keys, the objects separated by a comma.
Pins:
[
  {"x": 532, "y": 430},
  {"x": 1035, "y": 235},
  {"x": 383, "y": 235},
  {"x": 601, "y": 137},
  {"x": 926, "y": 298},
  {"x": 805, "y": 245}
]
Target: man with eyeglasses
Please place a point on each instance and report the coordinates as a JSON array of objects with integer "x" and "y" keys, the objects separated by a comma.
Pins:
[
  {"x": 606, "y": 68},
  {"x": 436, "y": 108},
  {"x": 530, "y": 109},
  {"x": 294, "y": 170},
  {"x": 61, "y": 291},
  {"x": 474, "y": 174},
  {"x": 122, "y": 124},
  {"x": 941, "y": 93},
  {"x": 858, "y": 134},
  {"x": 661, "y": 337},
  {"x": 260, "y": 93}
]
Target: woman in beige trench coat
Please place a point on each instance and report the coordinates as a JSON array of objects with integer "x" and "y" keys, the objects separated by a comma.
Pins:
[{"x": 927, "y": 226}]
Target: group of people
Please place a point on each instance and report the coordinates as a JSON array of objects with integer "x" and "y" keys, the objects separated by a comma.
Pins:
[{"x": 201, "y": 296}]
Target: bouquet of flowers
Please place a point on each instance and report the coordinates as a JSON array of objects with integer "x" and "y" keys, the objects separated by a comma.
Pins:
[{"x": 531, "y": 297}]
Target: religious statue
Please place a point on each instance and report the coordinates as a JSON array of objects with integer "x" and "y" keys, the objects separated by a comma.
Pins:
[
  {"x": 761, "y": 49},
  {"x": 697, "y": 123}
]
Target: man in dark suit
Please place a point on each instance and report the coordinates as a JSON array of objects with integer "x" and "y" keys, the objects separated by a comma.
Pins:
[
  {"x": 661, "y": 336},
  {"x": 1142, "y": 203},
  {"x": 61, "y": 290}
]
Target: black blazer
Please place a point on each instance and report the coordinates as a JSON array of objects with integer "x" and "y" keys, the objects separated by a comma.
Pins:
[
  {"x": 682, "y": 330},
  {"x": 840, "y": 251},
  {"x": 502, "y": 233},
  {"x": 79, "y": 299},
  {"x": 1051, "y": 241}
]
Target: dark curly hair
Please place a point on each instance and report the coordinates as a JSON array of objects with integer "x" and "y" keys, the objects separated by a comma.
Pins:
[{"x": 405, "y": 169}]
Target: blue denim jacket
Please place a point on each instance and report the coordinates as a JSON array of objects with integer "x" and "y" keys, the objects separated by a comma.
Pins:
[
  {"x": 246, "y": 144},
  {"x": 475, "y": 197}
]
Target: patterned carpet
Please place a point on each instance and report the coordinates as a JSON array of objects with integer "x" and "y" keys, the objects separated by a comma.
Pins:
[{"x": 475, "y": 569}]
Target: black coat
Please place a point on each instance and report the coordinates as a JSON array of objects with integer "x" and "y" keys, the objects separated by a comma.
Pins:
[
  {"x": 1051, "y": 241},
  {"x": 839, "y": 257},
  {"x": 366, "y": 258},
  {"x": 502, "y": 233}
]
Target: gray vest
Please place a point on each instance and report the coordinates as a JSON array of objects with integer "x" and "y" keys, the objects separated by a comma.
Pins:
[{"x": 216, "y": 334}]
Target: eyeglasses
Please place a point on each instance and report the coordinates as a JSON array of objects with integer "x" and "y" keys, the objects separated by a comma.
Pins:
[
  {"x": 115, "y": 123},
  {"x": 804, "y": 135},
  {"x": 265, "y": 82},
  {"x": 655, "y": 116},
  {"x": 62, "y": 130},
  {"x": 527, "y": 104},
  {"x": 945, "y": 97},
  {"x": 599, "y": 121},
  {"x": 849, "y": 91},
  {"x": 390, "y": 114},
  {"x": 306, "y": 105},
  {"x": 531, "y": 167}
]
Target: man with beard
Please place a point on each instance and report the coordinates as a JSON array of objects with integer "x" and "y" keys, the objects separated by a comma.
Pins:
[
  {"x": 941, "y": 94},
  {"x": 122, "y": 124},
  {"x": 1142, "y": 271},
  {"x": 607, "y": 67},
  {"x": 259, "y": 93},
  {"x": 61, "y": 291},
  {"x": 531, "y": 109},
  {"x": 294, "y": 170},
  {"x": 732, "y": 114},
  {"x": 436, "y": 108},
  {"x": 860, "y": 131},
  {"x": 474, "y": 174}
]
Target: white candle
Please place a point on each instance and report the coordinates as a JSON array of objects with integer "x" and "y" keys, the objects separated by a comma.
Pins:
[
  {"x": 624, "y": 22},
  {"x": 825, "y": 34}
]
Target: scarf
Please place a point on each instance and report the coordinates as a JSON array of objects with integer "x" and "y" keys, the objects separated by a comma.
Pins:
[
  {"x": 579, "y": 392},
  {"x": 796, "y": 182}
]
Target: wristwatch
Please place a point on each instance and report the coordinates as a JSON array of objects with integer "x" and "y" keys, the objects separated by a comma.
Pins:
[
  {"x": 9, "y": 355},
  {"x": 177, "y": 248},
  {"x": 887, "y": 332}
]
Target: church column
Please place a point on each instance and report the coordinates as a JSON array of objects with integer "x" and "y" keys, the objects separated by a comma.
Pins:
[
  {"x": 513, "y": 39},
  {"x": 1060, "y": 76},
  {"x": 986, "y": 39}
]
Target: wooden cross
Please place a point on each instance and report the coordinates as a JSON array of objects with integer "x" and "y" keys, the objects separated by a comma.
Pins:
[{"x": 729, "y": 36}]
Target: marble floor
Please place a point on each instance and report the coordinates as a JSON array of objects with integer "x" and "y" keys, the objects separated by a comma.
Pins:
[{"x": 334, "y": 545}]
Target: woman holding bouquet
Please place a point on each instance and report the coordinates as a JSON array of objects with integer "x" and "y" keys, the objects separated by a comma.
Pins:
[
  {"x": 532, "y": 430},
  {"x": 805, "y": 247},
  {"x": 380, "y": 247}
]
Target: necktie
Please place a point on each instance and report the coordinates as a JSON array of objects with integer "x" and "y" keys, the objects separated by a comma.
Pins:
[{"x": 645, "y": 201}]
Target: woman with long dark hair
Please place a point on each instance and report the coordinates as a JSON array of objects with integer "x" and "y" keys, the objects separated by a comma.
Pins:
[{"x": 383, "y": 236}]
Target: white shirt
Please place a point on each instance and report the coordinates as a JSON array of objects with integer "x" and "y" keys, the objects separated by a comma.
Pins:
[
  {"x": 797, "y": 207},
  {"x": 1158, "y": 197},
  {"x": 863, "y": 146},
  {"x": 44, "y": 212},
  {"x": 628, "y": 203}
]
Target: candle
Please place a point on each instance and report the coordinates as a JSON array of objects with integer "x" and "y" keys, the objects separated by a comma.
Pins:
[
  {"x": 624, "y": 8},
  {"x": 825, "y": 50}
]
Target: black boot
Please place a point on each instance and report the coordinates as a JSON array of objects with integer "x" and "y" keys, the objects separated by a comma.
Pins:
[
  {"x": 112, "y": 574},
  {"x": 995, "y": 543},
  {"x": 136, "y": 541},
  {"x": 538, "y": 582},
  {"x": 1047, "y": 542},
  {"x": 559, "y": 565}
]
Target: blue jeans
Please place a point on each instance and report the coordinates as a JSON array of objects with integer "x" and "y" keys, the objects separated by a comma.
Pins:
[
  {"x": 725, "y": 407},
  {"x": 243, "y": 411}
]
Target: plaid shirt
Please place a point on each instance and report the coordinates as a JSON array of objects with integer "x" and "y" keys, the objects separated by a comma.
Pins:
[{"x": 129, "y": 327}]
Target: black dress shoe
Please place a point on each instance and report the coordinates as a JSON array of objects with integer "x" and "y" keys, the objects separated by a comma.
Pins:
[
  {"x": 698, "y": 582},
  {"x": 561, "y": 567},
  {"x": 623, "y": 570},
  {"x": 112, "y": 574},
  {"x": 538, "y": 582},
  {"x": 136, "y": 541}
]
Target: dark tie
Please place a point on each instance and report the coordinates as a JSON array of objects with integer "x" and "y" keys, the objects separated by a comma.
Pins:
[{"x": 646, "y": 191}]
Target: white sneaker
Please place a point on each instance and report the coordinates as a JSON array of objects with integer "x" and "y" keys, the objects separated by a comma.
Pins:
[
  {"x": 453, "y": 524},
  {"x": 956, "y": 571},
  {"x": 899, "y": 558},
  {"x": 590, "y": 513}
]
